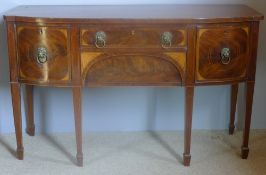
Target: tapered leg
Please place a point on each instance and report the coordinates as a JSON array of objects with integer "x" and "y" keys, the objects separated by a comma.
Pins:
[
  {"x": 78, "y": 123},
  {"x": 249, "y": 100},
  {"x": 189, "y": 93},
  {"x": 30, "y": 128},
  {"x": 234, "y": 91},
  {"x": 16, "y": 103}
]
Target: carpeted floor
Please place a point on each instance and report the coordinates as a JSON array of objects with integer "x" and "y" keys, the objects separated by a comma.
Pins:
[{"x": 135, "y": 153}]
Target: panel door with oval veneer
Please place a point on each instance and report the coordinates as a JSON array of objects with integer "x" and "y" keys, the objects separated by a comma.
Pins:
[
  {"x": 43, "y": 54},
  {"x": 222, "y": 53}
]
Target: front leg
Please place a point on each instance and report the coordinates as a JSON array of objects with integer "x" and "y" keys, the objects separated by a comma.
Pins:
[
  {"x": 249, "y": 100},
  {"x": 16, "y": 103},
  {"x": 78, "y": 123},
  {"x": 189, "y": 93}
]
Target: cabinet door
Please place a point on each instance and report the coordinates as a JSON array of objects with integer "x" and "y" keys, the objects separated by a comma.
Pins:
[
  {"x": 222, "y": 53},
  {"x": 43, "y": 54}
]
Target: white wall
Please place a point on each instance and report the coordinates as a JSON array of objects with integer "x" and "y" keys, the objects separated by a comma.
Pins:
[{"x": 130, "y": 108}]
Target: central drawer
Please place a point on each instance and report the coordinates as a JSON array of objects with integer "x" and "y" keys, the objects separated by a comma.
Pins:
[
  {"x": 121, "y": 37},
  {"x": 133, "y": 55}
]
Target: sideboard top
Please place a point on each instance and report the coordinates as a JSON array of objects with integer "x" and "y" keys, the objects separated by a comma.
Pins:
[{"x": 181, "y": 13}]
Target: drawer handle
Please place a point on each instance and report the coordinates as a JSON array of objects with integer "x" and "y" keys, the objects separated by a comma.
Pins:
[
  {"x": 225, "y": 56},
  {"x": 166, "y": 39},
  {"x": 100, "y": 39},
  {"x": 41, "y": 55}
]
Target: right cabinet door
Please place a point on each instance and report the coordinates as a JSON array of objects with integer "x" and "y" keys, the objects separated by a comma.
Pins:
[{"x": 222, "y": 53}]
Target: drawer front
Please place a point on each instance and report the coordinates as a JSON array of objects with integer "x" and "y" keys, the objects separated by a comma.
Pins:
[
  {"x": 130, "y": 37},
  {"x": 43, "y": 54},
  {"x": 222, "y": 53},
  {"x": 109, "y": 69}
]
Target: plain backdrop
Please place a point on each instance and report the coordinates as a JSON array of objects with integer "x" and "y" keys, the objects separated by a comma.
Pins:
[{"x": 131, "y": 108}]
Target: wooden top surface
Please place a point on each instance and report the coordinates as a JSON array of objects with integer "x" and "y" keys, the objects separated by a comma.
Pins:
[{"x": 185, "y": 13}]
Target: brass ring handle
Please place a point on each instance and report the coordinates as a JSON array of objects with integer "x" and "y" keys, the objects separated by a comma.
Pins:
[
  {"x": 166, "y": 39},
  {"x": 100, "y": 39},
  {"x": 41, "y": 55},
  {"x": 225, "y": 56}
]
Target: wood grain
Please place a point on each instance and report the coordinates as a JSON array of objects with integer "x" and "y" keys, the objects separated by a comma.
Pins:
[
  {"x": 132, "y": 69},
  {"x": 56, "y": 41},
  {"x": 249, "y": 90},
  {"x": 133, "y": 37},
  {"x": 210, "y": 43},
  {"x": 135, "y": 13},
  {"x": 189, "y": 94},
  {"x": 16, "y": 103}
]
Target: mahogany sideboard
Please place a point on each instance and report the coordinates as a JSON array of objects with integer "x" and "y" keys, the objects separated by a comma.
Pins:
[{"x": 137, "y": 45}]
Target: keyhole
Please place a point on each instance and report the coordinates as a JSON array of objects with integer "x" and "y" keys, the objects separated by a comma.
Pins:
[{"x": 227, "y": 34}]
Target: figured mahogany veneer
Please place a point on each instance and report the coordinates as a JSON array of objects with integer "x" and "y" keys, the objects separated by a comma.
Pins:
[
  {"x": 148, "y": 45},
  {"x": 132, "y": 69},
  {"x": 210, "y": 41},
  {"x": 56, "y": 41},
  {"x": 132, "y": 37}
]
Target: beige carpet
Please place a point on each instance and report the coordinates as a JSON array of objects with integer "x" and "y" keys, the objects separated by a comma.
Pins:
[{"x": 135, "y": 153}]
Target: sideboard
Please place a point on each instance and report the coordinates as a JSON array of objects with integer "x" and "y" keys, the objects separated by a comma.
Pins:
[{"x": 137, "y": 45}]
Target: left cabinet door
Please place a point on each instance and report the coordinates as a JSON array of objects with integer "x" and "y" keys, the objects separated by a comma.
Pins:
[{"x": 43, "y": 54}]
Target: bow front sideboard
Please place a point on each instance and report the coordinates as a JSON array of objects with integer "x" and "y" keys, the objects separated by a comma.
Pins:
[{"x": 137, "y": 45}]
